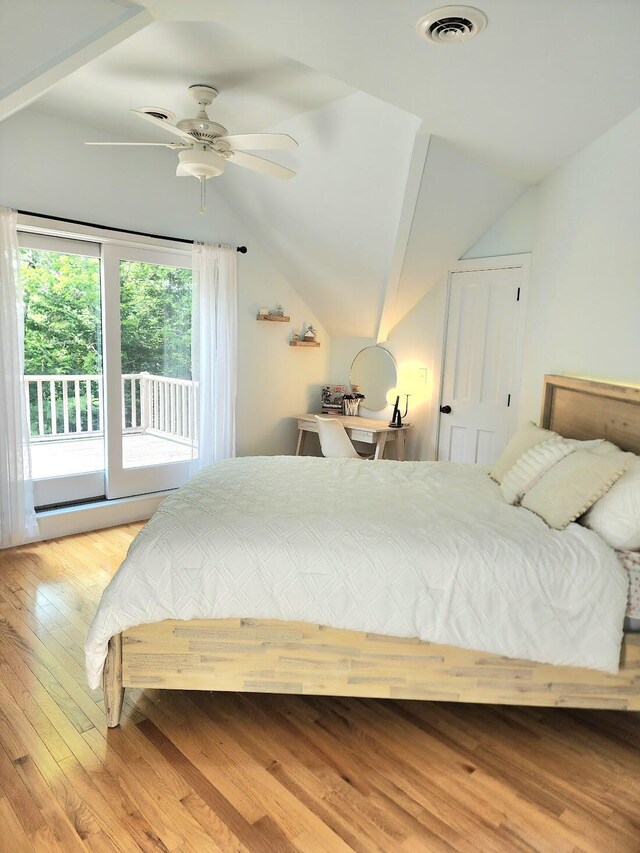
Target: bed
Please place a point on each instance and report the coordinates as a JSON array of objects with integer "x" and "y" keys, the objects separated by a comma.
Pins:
[{"x": 568, "y": 649}]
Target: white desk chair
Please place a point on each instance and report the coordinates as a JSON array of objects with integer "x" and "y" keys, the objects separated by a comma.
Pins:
[{"x": 334, "y": 441}]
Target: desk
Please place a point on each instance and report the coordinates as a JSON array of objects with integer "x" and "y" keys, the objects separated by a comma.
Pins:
[{"x": 369, "y": 430}]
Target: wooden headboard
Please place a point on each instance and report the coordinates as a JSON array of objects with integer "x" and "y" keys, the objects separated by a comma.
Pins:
[{"x": 588, "y": 408}]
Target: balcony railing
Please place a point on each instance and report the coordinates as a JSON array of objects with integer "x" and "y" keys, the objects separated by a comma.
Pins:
[{"x": 72, "y": 406}]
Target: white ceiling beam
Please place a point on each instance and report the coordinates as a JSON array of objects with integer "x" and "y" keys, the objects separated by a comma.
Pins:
[
  {"x": 66, "y": 64},
  {"x": 411, "y": 192}
]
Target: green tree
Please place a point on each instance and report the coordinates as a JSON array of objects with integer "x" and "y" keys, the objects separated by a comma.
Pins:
[
  {"x": 62, "y": 313},
  {"x": 63, "y": 328},
  {"x": 63, "y": 333},
  {"x": 155, "y": 312}
]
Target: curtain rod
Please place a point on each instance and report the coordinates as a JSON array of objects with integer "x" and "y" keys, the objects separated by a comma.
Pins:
[{"x": 241, "y": 249}]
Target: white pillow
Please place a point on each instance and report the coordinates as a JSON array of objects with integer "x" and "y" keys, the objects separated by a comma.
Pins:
[
  {"x": 599, "y": 446},
  {"x": 532, "y": 465},
  {"x": 591, "y": 444},
  {"x": 616, "y": 516}
]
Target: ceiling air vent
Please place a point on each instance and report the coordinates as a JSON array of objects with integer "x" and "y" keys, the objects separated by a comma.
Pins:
[
  {"x": 158, "y": 112},
  {"x": 451, "y": 24}
]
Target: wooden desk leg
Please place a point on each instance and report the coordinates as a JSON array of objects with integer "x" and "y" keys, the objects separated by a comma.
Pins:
[
  {"x": 400, "y": 445},
  {"x": 300, "y": 443},
  {"x": 382, "y": 438}
]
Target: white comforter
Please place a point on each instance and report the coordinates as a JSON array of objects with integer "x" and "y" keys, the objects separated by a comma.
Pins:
[{"x": 410, "y": 549}]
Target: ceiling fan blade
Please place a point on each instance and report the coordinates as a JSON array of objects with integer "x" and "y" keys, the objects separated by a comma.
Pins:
[
  {"x": 173, "y": 145},
  {"x": 259, "y": 164},
  {"x": 160, "y": 122},
  {"x": 259, "y": 141}
]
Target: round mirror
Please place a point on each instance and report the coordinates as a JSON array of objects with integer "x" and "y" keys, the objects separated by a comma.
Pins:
[{"x": 373, "y": 373}]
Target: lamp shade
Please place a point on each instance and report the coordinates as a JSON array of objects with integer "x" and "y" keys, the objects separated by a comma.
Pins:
[{"x": 392, "y": 395}]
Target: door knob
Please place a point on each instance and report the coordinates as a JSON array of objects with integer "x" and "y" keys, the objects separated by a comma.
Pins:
[{"x": 446, "y": 410}]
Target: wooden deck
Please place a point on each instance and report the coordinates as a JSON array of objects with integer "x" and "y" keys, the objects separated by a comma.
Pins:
[
  {"x": 191, "y": 771},
  {"x": 51, "y": 458}
]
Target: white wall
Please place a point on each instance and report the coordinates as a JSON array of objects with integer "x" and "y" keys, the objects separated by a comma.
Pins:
[
  {"x": 45, "y": 168},
  {"x": 415, "y": 341},
  {"x": 37, "y": 35},
  {"x": 458, "y": 200},
  {"x": 511, "y": 233},
  {"x": 332, "y": 229},
  {"x": 583, "y": 226}
]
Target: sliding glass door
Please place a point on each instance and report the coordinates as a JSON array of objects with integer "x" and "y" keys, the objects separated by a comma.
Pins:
[
  {"x": 63, "y": 389},
  {"x": 150, "y": 395},
  {"x": 107, "y": 385}
]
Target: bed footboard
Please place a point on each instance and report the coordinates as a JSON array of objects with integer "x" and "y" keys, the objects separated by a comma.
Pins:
[
  {"x": 112, "y": 681},
  {"x": 268, "y": 656}
]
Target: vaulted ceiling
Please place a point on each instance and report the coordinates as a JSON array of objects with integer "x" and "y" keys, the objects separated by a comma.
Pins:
[{"x": 408, "y": 151}]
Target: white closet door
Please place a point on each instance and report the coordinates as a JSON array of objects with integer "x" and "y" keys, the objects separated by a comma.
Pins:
[{"x": 479, "y": 378}]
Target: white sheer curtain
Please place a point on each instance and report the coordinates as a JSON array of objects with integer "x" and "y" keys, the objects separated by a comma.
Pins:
[
  {"x": 214, "y": 351},
  {"x": 17, "y": 516}
]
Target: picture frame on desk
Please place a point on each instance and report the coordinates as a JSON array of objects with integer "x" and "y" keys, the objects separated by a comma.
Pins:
[{"x": 332, "y": 399}]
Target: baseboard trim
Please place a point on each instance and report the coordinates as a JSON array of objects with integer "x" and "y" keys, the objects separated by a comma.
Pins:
[{"x": 82, "y": 518}]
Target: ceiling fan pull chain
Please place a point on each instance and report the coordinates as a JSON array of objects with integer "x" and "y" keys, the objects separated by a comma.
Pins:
[{"x": 203, "y": 195}]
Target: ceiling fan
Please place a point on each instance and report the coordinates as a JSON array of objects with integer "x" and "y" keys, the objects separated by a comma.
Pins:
[{"x": 205, "y": 147}]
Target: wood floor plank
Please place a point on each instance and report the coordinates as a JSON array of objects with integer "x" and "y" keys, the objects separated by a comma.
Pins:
[
  {"x": 18, "y": 797},
  {"x": 172, "y": 822},
  {"x": 15, "y": 838},
  {"x": 200, "y": 772},
  {"x": 61, "y": 833}
]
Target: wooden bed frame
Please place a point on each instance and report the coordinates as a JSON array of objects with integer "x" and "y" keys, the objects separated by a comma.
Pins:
[{"x": 269, "y": 656}]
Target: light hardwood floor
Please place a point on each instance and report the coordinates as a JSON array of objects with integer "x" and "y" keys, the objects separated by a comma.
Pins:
[{"x": 204, "y": 771}]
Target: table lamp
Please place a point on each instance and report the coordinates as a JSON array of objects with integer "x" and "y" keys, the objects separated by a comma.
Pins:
[{"x": 409, "y": 381}]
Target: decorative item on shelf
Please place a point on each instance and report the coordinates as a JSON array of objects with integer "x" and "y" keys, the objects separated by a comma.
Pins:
[
  {"x": 308, "y": 339},
  {"x": 276, "y": 315},
  {"x": 295, "y": 337}
]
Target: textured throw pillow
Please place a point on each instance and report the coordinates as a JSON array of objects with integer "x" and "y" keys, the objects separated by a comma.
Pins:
[
  {"x": 573, "y": 485},
  {"x": 616, "y": 516},
  {"x": 525, "y": 438},
  {"x": 531, "y": 466}
]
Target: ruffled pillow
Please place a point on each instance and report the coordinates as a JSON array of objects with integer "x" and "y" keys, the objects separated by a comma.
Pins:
[
  {"x": 532, "y": 465},
  {"x": 526, "y": 437}
]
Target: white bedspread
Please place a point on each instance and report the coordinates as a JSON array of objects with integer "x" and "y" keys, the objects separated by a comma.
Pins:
[{"x": 411, "y": 549}]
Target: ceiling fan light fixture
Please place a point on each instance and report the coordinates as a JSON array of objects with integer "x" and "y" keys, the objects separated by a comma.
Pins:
[{"x": 201, "y": 163}]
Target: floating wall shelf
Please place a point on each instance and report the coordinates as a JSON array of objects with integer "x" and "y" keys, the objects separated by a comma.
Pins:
[
  {"x": 304, "y": 343},
  {"x": 273, "y": 318}
]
